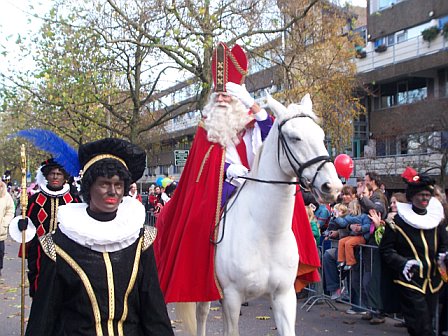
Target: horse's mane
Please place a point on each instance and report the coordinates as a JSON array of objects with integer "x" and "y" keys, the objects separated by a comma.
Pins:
[{"x": 256, "y": 162}]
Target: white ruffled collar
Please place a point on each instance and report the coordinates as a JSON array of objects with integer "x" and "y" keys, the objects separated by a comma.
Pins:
[
  {"x": 57, "y": 193},
  {"x": 432, "y": 218},
  {"x": 109, "y": 236}
]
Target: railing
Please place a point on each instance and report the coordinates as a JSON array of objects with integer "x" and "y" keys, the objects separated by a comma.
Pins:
[
  {"x": 352, "y": 283},
  {"x": 407, "y": 50},
  {"x": 184, "y": 123}
]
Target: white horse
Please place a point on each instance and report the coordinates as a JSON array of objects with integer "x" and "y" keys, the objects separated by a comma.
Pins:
[{"x": 258, "y": 254}]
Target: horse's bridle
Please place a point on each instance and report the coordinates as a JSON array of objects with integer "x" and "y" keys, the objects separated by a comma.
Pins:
[
  {"x": 302, "y": 181},
  {"x": 294, "y": 162},
  {"x": 297, "y": 167}
]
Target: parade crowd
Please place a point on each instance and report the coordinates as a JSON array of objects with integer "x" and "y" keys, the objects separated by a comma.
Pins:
[
  {"x": 95, "y": 268},
  {"x": 382, "y": 263}
]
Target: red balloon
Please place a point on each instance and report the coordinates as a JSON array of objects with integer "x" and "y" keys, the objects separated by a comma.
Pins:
[{"x": 344, "y": 165}]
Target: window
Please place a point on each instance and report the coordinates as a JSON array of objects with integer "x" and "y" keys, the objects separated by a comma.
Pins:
[
  {"x": 403, "y": 146},
  {"x": 404, "y": 92},
  {"x": 444, "y": 140},
  {"x": 388, "y": 92},
  {"x": 402, "y": 36},
  {"x": 390, "y": 39},
  {"x": 381, "y": 148},
  {"x": 444, "y": 83},
  {"x": 392, "y": 146},
  {"x": 402, "y": 96}
]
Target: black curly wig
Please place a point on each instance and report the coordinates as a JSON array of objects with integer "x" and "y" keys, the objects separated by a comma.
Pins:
[
  {"x": 105, "y": 168},
  {"x": 424, "y": 182},
  {"x": 47, "y": 169}
]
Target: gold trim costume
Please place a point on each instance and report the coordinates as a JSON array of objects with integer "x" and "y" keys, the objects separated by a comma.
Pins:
[{"x": 98, "y": 266}]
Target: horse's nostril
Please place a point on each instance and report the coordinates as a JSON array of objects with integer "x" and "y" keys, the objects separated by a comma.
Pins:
[{"x": 326, "y": 188}]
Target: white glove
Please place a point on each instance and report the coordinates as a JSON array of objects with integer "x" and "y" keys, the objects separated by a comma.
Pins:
[
  {"x": 407, "y": 268},
  {"x": 441, "y": 258},
  {"x": 240, "y": 92},
  {"x": 236, "y": 170}
]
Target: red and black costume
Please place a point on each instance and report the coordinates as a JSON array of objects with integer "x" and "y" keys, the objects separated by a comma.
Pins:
[
  {"x": 186, "y": 226},
  {"x": 42, "y": 210}
]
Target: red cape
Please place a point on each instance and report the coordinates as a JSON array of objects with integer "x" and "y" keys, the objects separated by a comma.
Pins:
[
  {"x": 309, "y": 261},
  {"x": 183, "y": 251}
]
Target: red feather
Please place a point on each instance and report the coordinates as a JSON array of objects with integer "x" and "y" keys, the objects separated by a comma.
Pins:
[{"x": 410, "y": 175}]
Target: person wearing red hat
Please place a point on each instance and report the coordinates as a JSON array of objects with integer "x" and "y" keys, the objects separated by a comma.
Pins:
[
  {"x": 228, "y": 137},
  {"x": 413, "y": 245}
]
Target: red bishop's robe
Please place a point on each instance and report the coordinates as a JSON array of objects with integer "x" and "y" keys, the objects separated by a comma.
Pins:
[{"x": 183, "y": 249}]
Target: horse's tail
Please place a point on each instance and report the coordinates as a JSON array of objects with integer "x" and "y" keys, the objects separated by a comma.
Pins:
[{"x": 186, "y": 311}]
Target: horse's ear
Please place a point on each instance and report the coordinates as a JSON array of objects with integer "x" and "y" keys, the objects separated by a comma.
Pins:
[
  {"x": 278, "y": 108},
  {"x": 306, "y": 103}
]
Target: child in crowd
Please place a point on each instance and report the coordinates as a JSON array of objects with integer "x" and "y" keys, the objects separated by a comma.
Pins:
[
  {"x": 358, "y": 227},
  {"x": 313, "y": 222}
]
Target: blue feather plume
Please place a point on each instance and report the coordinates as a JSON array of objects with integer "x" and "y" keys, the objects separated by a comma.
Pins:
[{"x": 48, "y": 141}]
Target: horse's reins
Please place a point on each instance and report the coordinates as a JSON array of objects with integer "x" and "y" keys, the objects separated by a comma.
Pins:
[{"x": 303, "y": 182}]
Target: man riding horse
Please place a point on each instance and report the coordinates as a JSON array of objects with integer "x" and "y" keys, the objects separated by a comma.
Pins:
[{"x": 228, "y": 137}]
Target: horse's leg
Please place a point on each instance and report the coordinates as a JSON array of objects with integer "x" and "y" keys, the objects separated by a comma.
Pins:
[
  {"x": 231, "y": 305},
  {"x": 284, "y": 307},
  {"x": 202, "y": 310}
]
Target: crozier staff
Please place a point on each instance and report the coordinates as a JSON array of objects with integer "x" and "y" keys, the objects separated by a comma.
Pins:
[{"x": 99, "y": 264}]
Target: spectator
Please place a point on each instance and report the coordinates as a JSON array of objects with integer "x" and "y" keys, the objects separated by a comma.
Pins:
[
  {"x": 313, "y": 222},
  {"x": 169, "y": 190},
  {"x": 373, "y": 201},
  {"x": 335, "y": 232},
  {"x": 6, "y": 214},
  {"x": 323, "y": 215},
  {"x": 411, "y": 247},
  {"x": 134, "y": 193},
  {"x": 377, "y": 200},
  {"x": 359, "y": 233},
  {"x": 331, "y": 273}
]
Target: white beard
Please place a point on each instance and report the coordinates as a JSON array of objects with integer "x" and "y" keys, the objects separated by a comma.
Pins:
[{"x": 224, "y": 122}]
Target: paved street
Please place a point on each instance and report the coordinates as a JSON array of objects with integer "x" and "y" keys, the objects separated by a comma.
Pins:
[{"x": 320, "y": 320}]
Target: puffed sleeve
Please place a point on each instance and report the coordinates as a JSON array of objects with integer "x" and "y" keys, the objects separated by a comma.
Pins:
[
  {"x": 389, "y": 255},
  {"x": 154, "y": 315}
]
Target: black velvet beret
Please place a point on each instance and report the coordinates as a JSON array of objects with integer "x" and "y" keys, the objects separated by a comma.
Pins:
[
  {"x": 49, "y": 164},
  {"x": 417, "y": 182},
  {"x": 132, "y": 156}
]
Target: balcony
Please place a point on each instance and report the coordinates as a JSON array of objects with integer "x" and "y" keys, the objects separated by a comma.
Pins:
[
  {"x": 410, "y": 49},
  {"x": 181, "y": 123}
]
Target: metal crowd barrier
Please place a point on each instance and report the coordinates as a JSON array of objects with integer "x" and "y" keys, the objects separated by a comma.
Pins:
[
  {"x": 352, "y": 286},
  {"x": 150, "y": 218},
  {"x": 354, "y": 283}
]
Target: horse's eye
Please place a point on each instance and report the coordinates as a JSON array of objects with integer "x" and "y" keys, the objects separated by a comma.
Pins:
[{"x": 295, "y": 138}]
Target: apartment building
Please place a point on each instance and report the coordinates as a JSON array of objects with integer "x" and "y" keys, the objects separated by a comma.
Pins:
[{"x": 406, "y": 76}]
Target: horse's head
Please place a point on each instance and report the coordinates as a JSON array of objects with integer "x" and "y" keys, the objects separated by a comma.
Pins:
[{"x": 303, "y": 153}]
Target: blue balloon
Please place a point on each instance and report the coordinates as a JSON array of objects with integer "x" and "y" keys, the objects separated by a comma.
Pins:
[{"x": 159, "y": 181}]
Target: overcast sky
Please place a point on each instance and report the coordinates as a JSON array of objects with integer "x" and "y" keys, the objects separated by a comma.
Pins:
[{"x": 15, "y": 19}]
